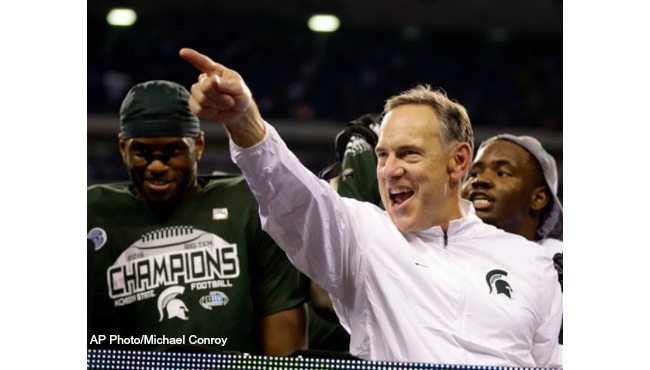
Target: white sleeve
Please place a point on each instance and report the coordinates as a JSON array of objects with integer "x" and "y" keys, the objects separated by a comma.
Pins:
[
  {"x": 302, "y": 213},
  {"x": 546, "y": 351}
]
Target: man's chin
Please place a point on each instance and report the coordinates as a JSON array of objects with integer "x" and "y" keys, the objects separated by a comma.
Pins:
[
  {"x": 158, "y": 199},
  {"x": 491, "y": 218},
  {"x": 485, "y": 215},
  {"x": 402, "y": 223}
]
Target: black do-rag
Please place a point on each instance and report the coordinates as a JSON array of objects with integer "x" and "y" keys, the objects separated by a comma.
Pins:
[{"x": 158, "y": 109}]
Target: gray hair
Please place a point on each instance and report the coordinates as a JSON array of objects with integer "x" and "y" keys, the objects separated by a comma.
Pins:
[{"x": 455, "y": 125}]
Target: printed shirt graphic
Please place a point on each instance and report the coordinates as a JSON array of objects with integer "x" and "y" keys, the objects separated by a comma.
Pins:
[
  {"x": 167, "y": 302},
  {"x": 168, "y": 256},
  {"x": 496, "y": 281},
  {"x": 187, "y": 273}
]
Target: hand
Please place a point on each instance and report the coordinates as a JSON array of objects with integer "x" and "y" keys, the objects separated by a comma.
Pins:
[{"x": 220, "y": 95}]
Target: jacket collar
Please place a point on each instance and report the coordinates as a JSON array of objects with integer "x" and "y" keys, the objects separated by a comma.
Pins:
[{"x": 457, "y": 227}]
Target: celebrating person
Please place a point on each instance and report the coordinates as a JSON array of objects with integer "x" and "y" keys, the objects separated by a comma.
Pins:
[{"x": 423, "y": 280}]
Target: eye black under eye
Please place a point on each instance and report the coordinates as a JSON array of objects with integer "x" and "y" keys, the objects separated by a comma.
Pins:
[
  {"x": 177, "y": 151},
  {"x": 140, "y": 152},
  {"x": 174, "y": 148}
]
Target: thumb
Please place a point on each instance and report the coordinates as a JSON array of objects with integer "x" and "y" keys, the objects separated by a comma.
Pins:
[{"x": 201, "y": 62}]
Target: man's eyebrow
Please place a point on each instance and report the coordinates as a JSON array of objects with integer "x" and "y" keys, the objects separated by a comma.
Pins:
[
  {"x": 401, "y": 147},
  {"x": 504, "y": 162},
  {"x": 138, "y": 145},
  {"x": 175, "y": 145},
  {"x": 163, "y": 146},
  {"x": 409, "y": 147}
]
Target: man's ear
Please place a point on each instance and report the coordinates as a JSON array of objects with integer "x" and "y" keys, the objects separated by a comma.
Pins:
[
  {"x": 539, "y": 198},
  {"x": 460, "y": 159},
  {"x": 122, "y": 144},
  {"x": 199, "y": 144}
]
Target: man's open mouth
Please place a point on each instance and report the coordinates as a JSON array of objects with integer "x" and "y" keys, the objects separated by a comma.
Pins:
[
  {"x": 481, "y": 201},
  {"x": 158, "y": 184},
  {"x": 399, "y": 195}
]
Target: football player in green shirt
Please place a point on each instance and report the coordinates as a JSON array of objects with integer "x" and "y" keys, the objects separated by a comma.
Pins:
[{"x": 179, "y": 259}]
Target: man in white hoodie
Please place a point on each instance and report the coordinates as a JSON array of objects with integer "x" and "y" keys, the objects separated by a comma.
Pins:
[
  {"x": 513, "y": 185},
  {"x": 425, "y": 280}
]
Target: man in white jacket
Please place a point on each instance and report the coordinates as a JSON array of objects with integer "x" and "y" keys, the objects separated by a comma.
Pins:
[
  {"x": 426, "y": 280},
  {"x": 513, "y": 185}
]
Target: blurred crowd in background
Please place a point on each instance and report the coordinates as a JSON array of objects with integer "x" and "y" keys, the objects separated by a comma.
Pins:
[
  {"x": 508, "y": 79},
  {"x": 504, "y": 79}
]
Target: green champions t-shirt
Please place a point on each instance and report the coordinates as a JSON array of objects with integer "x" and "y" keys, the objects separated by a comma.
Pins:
[
  {"x": 357, "y": 180},
  {"x": 205, "y": 270}
]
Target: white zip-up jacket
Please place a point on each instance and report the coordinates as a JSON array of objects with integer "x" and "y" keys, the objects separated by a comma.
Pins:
[
  {"x": 553, "y": 246},
  {"x": 479, "y": 296}
]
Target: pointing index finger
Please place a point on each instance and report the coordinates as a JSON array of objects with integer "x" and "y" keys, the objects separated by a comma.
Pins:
[{"x": 201, "y": 62}]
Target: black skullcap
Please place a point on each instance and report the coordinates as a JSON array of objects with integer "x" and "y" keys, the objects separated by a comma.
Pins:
[{"x": 158, "y": 109}]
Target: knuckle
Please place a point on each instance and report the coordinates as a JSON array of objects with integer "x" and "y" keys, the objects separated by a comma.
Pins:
[
  {"x": 206, "y": 87},
  {"x": 194, "y": 106}
]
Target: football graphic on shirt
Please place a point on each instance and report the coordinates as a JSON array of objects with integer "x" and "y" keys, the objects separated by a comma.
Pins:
[{"x": 170, "y": 256}]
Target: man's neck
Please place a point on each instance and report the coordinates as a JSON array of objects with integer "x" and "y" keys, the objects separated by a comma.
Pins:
[
  {"x": 164, "y": 208},
  {"x": 453, "y": 211},
  {"x": 528, "y": 229},
  {"x": 191, "y": 191}
]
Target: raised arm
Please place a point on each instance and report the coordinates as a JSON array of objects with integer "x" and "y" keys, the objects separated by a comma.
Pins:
[{"x": 302, "y": 213}]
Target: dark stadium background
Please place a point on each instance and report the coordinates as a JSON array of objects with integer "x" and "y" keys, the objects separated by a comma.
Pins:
[{"x": 502, "y": 59}]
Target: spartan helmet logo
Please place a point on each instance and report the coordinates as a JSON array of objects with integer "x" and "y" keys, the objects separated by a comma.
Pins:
[
  {"x": 174, "y": 306},
  {"x": 496, "y": 281}
]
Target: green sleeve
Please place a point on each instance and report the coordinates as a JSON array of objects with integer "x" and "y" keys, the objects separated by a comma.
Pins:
[{"x": 277, "y": 285}]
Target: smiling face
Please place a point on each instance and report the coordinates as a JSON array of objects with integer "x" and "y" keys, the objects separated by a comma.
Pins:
[
  {"x": 412, "y": 168},
  {"x": 163, "y": 169},
  {"x": 505, "y": 186}
]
